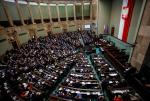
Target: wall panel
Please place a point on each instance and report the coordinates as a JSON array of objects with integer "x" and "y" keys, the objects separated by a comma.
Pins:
[
  {"x": 57, "y": 30},
  {"x": 53, "y": 11},
  {"x": 70, "y": 11},
  {"x": 62, "y": 11},
  {"x": 12, "y": 10},
  {"x": 23, "y": 37},
  {"x": 45, "y": 12},
  {"x": 86, "y": 10},
  {"x": 4, "y": 45},
  {"x": 115, "y": 15},
  {"x": 25, "y": 11},
  {"x": 134, "y": 21},
  {"x": 35, "y": 11},
  {"x": 104, "y": 13},
  {"x": 2, "y": 13},
  {"x": 78, "y": 10},
  {"x": 72, "y": 28},
  {"x": 41, "y": 33}
]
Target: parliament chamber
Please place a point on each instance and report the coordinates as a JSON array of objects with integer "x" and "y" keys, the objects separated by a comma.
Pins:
[{"x": 74, "y": 50}]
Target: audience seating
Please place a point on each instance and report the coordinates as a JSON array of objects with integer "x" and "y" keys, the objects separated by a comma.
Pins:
[
  {"x": 59, "y": 62},
  {"x": 34, "y": 70},
  {"x": 81, "y": 83},
  {"x": 117, "y": 56},
  {"x": 112, "y": 82}
]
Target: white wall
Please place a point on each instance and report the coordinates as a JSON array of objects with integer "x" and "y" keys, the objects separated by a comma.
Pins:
[
  {"x": 134, "y": 21},
  {"x": 115, "y": 18},
  {"x": 104, "y": 12},
  {"x": 115, "y": 15}
]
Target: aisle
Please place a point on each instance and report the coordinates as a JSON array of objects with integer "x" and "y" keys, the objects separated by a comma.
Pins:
[
  {"x": 62, "y": 81},
  {"x": 88, "y": 56},
  {"x": 77, "y": 75}
]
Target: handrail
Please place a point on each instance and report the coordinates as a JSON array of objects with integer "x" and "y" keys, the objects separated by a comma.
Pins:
[
  {"x": 82, "y": 73},
  {"x": 115, "y": 60},
  {"x": 94, "y": 90},
  {"x": 132, "y": 45},
  {"x": 86, "y": 80}
]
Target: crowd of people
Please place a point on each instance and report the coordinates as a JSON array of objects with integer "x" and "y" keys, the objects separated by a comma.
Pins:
[
  {"x": 33, "y": 70},
  {"x": 112, "y": 82},
  {"x": 81, "y": 83},
  {"x": 116, "y": 54}
]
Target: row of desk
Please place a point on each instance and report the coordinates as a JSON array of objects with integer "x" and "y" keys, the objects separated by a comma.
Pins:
[
  {"x": 80, "y": 84},
  {"x": 36, "y": 83},
  {"x": 112, "y": 82},
  {"x": 117, "y": 56},
  {"x": 36, "y": 68}
]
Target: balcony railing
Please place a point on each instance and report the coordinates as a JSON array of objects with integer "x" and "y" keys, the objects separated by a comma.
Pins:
[
  {"x": 79, "y": 17},
  {"x": 70, "y": 18},
  {"x": 47, "y": 20},
  {"x": 28, "y": 21},
  {"x": 4, "y": 23},
  {"x": 127, "y": 47},
  {"x": 17, "y": 22},
  {"x": 55, "y": 19},
  {"x": 37, "y": 21},
  {"x": 86, "y": 17},
  {"x": 63, "y": 19}
]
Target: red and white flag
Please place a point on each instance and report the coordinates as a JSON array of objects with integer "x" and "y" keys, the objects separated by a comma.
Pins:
[{"x": 125, "y": 19}]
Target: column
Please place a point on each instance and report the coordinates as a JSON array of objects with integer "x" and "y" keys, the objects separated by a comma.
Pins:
[
  {"x": 82, "y": 6},
  {"x": 19, "y": 12},
  {"x": 41, "y": 15},
  {"x": 66, "y": 11},
  {"x": 49, "y": 12},
  {"x": 30, "y": 12},
  {"x": 57, "y": 7},
  {"x": 74, "y": 9},
  {"x": 7, "y": 14},
  {"x": 140, "y": 52},
  {"x": 90, "y": 10}
]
